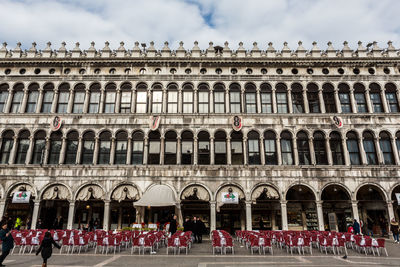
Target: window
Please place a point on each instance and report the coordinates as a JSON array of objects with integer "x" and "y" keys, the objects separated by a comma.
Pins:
[
  {"x": 219, "y": 99},
  {"x": 109, "y": 103},
  {"x": 286, "y": 148},
  {"x": 386, "y": 148},
  {"x": 398, "y": 142},
  {"x": 88, "y": 148},
  {"x": 33, "y": 95},
  {"x": 266, "y": 98},
  {"x": 63, "y": 97},
  {"x": 157, "y": 99},
  {"x": 234, "y": 98},
  {"x": 22, "y": 147},
  {"x": 369, "y": 148},
  {"x": 141, "y": 98},
  {"x": 55, "y": 148},
  {"x": 48, "y": 94},
  {"x": 270, "y": 148},
  {"x": 104, "y": 148},
  {"x": 335, "y": 143},
  {"x": 170, "y": 148},
  {"x": 251, "y": 99},
  {"x": 94, "y": 100},
  {"x": 320, "y": 149},
  {"x": 72, "y": 147},
  {"x": 187, "y": 148},
  {"x": 6, "y": 146},
  {"x": 126, "y": 96},
  {"x": 172, "y": 99},
  {"x": 328, "y": 94},
  {"x": 17, "y": 98},
  {"x": 297, "y": 98},
  {"x": 359, "y": 95},
  {"x": 237, "y": 148},
  {"x": 121, "y": 144},
  {"x": 187, "y": 99},
  {"x": 391, "y": 98},
  {"x": 253, "y": 139},
  {"x": 154, "y": 148},
  {"x": 39, "y": 147},
  {"x": 354, "y": 150},
  {"x": 79, "y": 98},
  {"x": 203, "y": 100},
  {"x": 344, "y": 97},
  {"x": 3, "y": 96},
  {"x": 281, "y": 98},
  {"x": 137, "y": 148},
  {"x": 375, "y": 96},
  {"x": 303, "y": 149},
  {"x": 220, "y": 148},
  {"x": 204, "y": 148},
  {"x": 313, "y": 98}
]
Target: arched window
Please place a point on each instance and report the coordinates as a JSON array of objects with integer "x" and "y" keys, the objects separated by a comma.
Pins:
[
  {"x": 170, "y": 148},
  {"x": 250, "y": 97},
  {"x": 104, "y": 148},
  {"x": 3, "y": 96},
  {"x": 109, "y": 103},
  {"x": 386, "y": 148},
  {"x": 187, "y": 148},
  {"x": 204, "y": 99},
  {"x": 281, "y": 98},
  {"x": 126, "y": 96},
  {"x": 121, "y": 144},
  {"x": 303, "y": 148},
  {"x": 398, "y": 142},
  {"x": 266, "y": 98},
  {"x": 137, "y": 148},
  {"x": 88, "y": 148},
  {"x": 63, "y": 96},
  {"x": 375, "y": 95},
  {"x": 48, "y": 95},
  {"x": 271, "y": 157},
  {"x": 157, "y": 99},
  {"x": 253, "y": 143},
  {"x": 359, "y": 95},
  {"x": 352, "y": 147},
  {"x": 328, "y": 94},
  {"x": 18, "y": 94},
  {"x": 319, "y": 148},
  {"x": 391, "y": 98},
  {"x": 94, "y": 102},
  {"x": 187, "y": 98},
  {"x": 55, "y": 147},
  {"x": 219, "y": 98},
  {"x": 22, "y": 147},
  {"x": 39, "y": 146},
  {"x": 141, "y": 98},
  {"x": 6, "y": 146},
  {"x": 286, "y": 148},
  {"x": 220, "y": 148},
  {"x": 33, "y": 95},
  {"x": 204, "y": 148},
  {"x": 297, "y": 98},
  {"x": 72, "y": 147},
  {"x": 237, "y": 148},
  {"x": 313, "y": 99},
  {"x": 335, "y": 143},
  {"x": 79, "y": 98},
  {"x": 369, "y": 148},
  {"x": 344, "y": 97},
  {"x": 154, "y": 148},
  {"x": 172, "y": 98}
]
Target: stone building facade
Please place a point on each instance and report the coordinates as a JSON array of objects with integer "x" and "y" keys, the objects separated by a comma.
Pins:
[{"x": 299, "y": 139}]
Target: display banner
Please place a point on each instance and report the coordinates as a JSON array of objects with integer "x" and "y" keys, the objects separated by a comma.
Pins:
[
  {"x": 230, "y": 198},
  {"x": 21, "y": 197}
]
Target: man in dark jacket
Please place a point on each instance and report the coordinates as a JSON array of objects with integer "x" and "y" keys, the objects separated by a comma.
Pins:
[
  {"x": 172, "y": 225},
  {"x": 198, "y": 229},
  {"x": 8, "y": 242},
  {"x": 356, "y": 227},
  {"x": 187, "y": 225}
]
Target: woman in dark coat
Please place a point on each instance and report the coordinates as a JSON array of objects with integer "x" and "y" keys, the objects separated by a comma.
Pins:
[{"x": 47, "y": 248}]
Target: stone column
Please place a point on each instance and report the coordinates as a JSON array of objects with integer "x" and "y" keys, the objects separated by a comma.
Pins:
[
  {"x": 213, "y": 221},
  {"x": 227, "y": 106},
  {"x": 354, "y": 207},
  {"x": 133, "y": 101},
  {"x": 62, "y": 151},
  {"x": 195, "y": 150},
  {"x": 180, "y": 100},
  {"x": 273, "y": 96},
  {"x": 211, "y": 101},
  {"x": 290, "y": 101},
  {"x": 71, "y": 213},
  {"x": 212, "y": 154},
  {"x": 395, "y": 151},
  {"x": 55, "y": 101},
  {"x": 228, "y": 151},
  {"x": 30, "y": 150},
  {"x": 262, "y": 150},
  {"x": 118, "y": 101},
  {"x": 46, "y": 151},
  {"x": 2, "y": 207},
  {"x": 112, "y": 151},
  {"x": 390, "y": 214},
  {"x": 22, "y": 109},
  {"x": 328, "y": 151},
  {"x": 146, "y": 150},
  {"x": 379, "y": 151},
  {"x": 35, "y": 214},
  {"x": 337, "y": 101},
  {"x": 70, "y": 100},
  {"x": 345, "y": 151},
  {"x": 278, "y": 150},
  {"x": 119, "y": 218},
  {"x": 384, "y": 101},
  {"x": 9, "y": 100},
  {"x": 102, "y": 97},
  {"x": 305, "y": 99},
  {"x": 13, "y": 151},
  {"x": 321, "y": 101},
  {"x": 312, "y": 152},
  {"x": 249, "y": 225},
  {"x": 39, "y": 101},
  {"x": 353, "y": 101},
  {"x": 258, "y": 99},
  {"x": 320, "y": 214},
  {"x": 96, "y": 150},
  {"x": 242, "y": 102},
  {"x": 195, "y": 101},
  {"x": 162, "y": 149},
  {"x": 79, "y": 150},
  {"x": 295, "y": 152},
  {"x": 284, "y": 215},
  {"x": 164, "y": 101},
  {"x": 245, "y": 158},
  {"x": 150, "y": 100},
  {"x": 362, "y": 151},
  {"x": 178, "y": 150},
  {"x": 368, "y": 100},
  {"x": 129, "y": 151},
  {"x": 106, "y": 220},
  {"x": 86, "y": 102}
]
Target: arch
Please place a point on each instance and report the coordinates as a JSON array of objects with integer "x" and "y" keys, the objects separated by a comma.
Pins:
[
  {"x": 166, "y": 184},
  {"x": 342, "y": 186},
  {"x": 123, "y": 191},
  {"x": 14, "y": 187},
  {"x": 391, "y": 190},
  {"x": 382, "y": 191},
  {"x": 202, "y": 196},
  {"x": 83, "y": 193},
  {"x": 230, "y": 184},
  {"x": 315, "y": 193},
  {"x": 255, "y": 189},
  {"x": 49, "y": 192}
]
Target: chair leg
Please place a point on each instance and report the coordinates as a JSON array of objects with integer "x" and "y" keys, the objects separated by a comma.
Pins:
[{"x": 386, "y": 253}]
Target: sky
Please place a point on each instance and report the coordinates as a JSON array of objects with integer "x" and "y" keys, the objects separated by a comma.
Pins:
[{"x": 235, "y": 21}]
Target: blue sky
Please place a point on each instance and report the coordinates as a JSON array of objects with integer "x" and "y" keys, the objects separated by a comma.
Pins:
[{"x": 262, "y": 21}]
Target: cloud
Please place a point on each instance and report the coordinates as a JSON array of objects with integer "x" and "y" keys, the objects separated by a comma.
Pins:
[{"x": 202, "y": 20}]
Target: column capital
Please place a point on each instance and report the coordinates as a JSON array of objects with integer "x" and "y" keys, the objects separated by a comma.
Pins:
[
  {"x": 213, "y": 203},
  {"x": 71, "y": 202},
  {"x": 354, "y": 202},
  {"x": 319, "y": 202},
  {"x": 107, "y": 201},
  {"x": 283, "y": 202}
]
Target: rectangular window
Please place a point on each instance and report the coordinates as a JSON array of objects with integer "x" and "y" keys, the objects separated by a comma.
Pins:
[
  {"x": 70, "y": 154},
  {"x": 313, "y": 102},
  {"x": 386, "y": 149},
  {"x": 237, "y": 152},
  {"x": 304, "y": 152},
  {"x": 219, "y": 102},
  {"x": 281, "y": 102},
  {"x": 104, "y": 152},
  {"x": 203, "y": 102},
  {"x": 3, "y": 100},
  {"x": 16, "y": 101},
  {"x": 354, "y": 153},
  {"x": 266, "y": 103},
  {"x": 32, "y": 101},
  {"x": 329, "y": 100},
  {"x": 170, "y": 152},
  {"x": 154, "y": 152},
  {"x": 120, "y": 151},
  {"x": 220, "y": 152},
  {"x": 47, "y": 101},
  {"x": 235, "y": 102},
  {"x": 157, "y": 102},
  {"x": 54, "y": 153},
  {"x": 187, "y": 152},
  {"x": 38, "y": 151},
  {"x": 125, "y": 102},
  {"x": 393, "y": 105},
  {"x": 87, "y": 152},
  {"x": 172, "y": 102},
  {"x": 187, "y": 101},
  {"x": 361, "y": 104},
  {"x": 345, "y": 102},
  {"x": 6, "y": 150},
  {"x": 137, "y": 152},
  {"x": 287, "y": 156},
  {"x": 376, "y": 102},
  {"x": 79, "y": 100},
  {"x": 270, "y": 152},
  {"x": 251, "y": 103},
  {"x": 337, "y": 155},
  {"x": 141, "y": 102},
  {"x": 62, "y": 102},
  {"x": 204, "y": 153},
  {"x": 298, "y": 103},
  {"x": 369, "y": 148},
  {"x": 109, "y": 106},
  {"x": 94, "y": 102},
  {"x": 23, "y": 147},
  {"x": 254, "y": 152}
]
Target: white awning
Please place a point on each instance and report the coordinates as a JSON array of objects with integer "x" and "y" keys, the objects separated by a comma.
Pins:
[{"x": 157, "y": 196}]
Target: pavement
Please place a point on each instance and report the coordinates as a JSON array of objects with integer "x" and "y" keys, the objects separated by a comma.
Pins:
[{"x": 201, "y": 255}]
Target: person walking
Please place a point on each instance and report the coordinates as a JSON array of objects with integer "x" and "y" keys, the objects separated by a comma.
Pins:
[
  {"x": 8, "y": 242},
  {"x": 46, "y": 247},
  {"x": 201, "y": 229},
  {"x": 172, "y": 225},
  {"x": 356, "y": 227},
  {"x": 187, "y": 225},
  {"x": 394, "y": 228}
]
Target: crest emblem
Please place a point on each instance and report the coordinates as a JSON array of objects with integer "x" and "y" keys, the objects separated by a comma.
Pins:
[
  {"x": 237, "y": 123},
  {"x": 337, "y": 121},
  {"x": 55, "y": 124},
  {"x": 154, "y": 122}
]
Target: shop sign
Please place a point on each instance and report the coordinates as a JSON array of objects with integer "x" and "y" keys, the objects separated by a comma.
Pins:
[
  {"x": 154, "y": 122},
  {"x": 55, "y": 124},
  {"x": 230, "y": 198},
  {"x": 237, "y": 123},
  {"x": 337, "y": 121},
  {"x": 398, "y": 198},
  {"x": 21, "y": 197}
]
